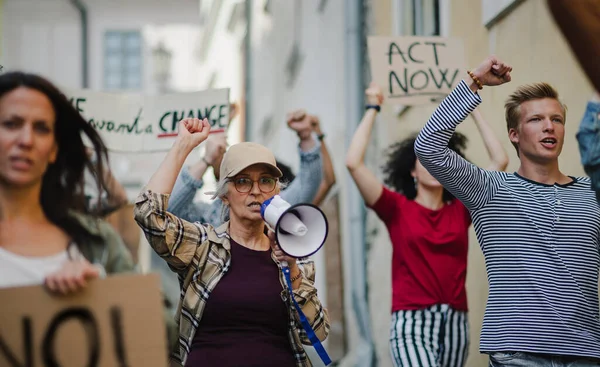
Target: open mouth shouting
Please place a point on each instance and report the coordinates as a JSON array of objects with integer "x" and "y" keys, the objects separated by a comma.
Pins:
[
  {"x": 549, "y": 143},
  {"x": 255, "y": 206}
]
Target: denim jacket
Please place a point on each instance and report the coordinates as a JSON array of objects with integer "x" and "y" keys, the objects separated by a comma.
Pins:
[{"x": 588, "y": 137}]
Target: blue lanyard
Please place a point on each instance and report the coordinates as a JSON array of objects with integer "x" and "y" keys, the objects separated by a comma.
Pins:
[{"x": 305, "y": 324}]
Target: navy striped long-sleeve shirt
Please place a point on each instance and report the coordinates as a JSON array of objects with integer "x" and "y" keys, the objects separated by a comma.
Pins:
[{"x": 540, "y": 243}]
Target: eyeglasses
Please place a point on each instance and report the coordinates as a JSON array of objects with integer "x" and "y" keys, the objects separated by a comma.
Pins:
[{"x": 244, "y": 185}]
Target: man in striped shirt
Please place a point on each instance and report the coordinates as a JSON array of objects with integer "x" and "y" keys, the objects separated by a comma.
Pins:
[{"x": 538, "y": 228}]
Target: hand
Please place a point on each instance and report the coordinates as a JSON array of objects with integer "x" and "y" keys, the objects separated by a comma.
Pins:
[
  {"x": 374, "y": 94},
  {"x": 280, "y": 255},
  {"x": 72, "y": 277},
  {"x": 300, "y": 122},
  {"x": 193, "y": 131},
  {"x": 493, "y": 71},
  {"x": 216, "y": 145},
  {"x": 316, "y": 124}
]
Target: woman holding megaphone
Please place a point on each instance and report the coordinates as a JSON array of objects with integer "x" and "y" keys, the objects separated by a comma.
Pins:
[
  {"x": 233, "y": 310},
  {"x": 429, "y": 230}
]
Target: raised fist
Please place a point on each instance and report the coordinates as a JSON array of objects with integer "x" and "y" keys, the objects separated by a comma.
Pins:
[
  {"x": 374, "y": 94},
  {"x": 492, "y": 71},
  {"x": 300, "y": 122},
  {"x": 193, "y": 131}
]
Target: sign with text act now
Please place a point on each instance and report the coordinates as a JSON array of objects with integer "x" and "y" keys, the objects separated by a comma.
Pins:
[
  {"x": 416, "y": 70},
  {"x": 138, "y": 123}
]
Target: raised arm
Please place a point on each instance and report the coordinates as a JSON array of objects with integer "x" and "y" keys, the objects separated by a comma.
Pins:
[
  {"x": 328, "y": 173},
  {"x": 369, "y": 186},
  {"x": 496, "y": 152},
  {"x": 189, "y": 181},
  {"x": 304, "y": 187},
  {"x": 174, "y": 239},
  {"x": 469, "y": 183},
  {"x": 192, "y": 132}
]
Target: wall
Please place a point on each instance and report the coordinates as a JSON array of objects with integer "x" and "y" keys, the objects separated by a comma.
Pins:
[{"x": 43, "y": 37}]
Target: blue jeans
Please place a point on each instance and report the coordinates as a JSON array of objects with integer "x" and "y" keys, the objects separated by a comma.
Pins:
[{"x": 520, "y": 359}]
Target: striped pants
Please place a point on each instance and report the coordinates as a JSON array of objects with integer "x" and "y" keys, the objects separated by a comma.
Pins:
[{"x": 437, "y": 336}]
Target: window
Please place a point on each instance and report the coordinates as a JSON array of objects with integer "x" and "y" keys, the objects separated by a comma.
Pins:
[
  {"x": 122, "y": 60},
  {"x": 417, "y": 17}
]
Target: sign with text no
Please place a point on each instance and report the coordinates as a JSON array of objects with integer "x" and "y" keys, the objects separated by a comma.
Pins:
[
  {"x": 139, "y": 123},
  {"x": 115, "y": 322},
  {"x": 416, "y": 70}
]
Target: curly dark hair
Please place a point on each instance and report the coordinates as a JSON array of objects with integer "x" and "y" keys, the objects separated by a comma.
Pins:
[
  {"x": 402, "y": 159},
  {"x": 63, "y": 182},
  {"x": 288, "y": 174}
]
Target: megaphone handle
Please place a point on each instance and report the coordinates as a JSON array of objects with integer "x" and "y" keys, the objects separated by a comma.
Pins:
[{"x": 310, "y": 333}]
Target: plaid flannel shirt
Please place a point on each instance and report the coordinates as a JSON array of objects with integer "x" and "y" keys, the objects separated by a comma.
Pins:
[{"x": 200, "y": 255}]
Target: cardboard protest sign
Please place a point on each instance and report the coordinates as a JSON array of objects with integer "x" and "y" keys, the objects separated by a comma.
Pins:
[
  {"x": 137, "y": 123},
  {"x": 416, "y": 70},
  {"x": 115, "y": 322}
]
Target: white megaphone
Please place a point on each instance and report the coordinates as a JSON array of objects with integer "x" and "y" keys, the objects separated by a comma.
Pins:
[{"x": 300, "y": 230}]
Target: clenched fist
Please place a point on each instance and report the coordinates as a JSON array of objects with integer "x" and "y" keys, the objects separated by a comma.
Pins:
[
  {"x": 193, "y": 131},
  {"x": 493, "y": 71}
]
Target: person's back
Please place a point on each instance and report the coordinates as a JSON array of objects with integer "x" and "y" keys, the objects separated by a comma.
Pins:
[{"x": 537, "y": 227}]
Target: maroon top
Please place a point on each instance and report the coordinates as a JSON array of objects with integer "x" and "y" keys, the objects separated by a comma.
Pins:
[
  {"x": 245, "y": 321},
  {"x": 429, "y": 260}
]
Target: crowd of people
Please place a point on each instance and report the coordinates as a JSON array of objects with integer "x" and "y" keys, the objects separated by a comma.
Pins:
[{"x": 538, "y": 228}]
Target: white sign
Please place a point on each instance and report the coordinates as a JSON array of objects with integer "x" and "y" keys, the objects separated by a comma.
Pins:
[{"x": 137, "y": 123}]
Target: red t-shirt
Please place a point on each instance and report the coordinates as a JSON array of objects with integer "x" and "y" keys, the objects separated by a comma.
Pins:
[{"x": 429, "y": 261}]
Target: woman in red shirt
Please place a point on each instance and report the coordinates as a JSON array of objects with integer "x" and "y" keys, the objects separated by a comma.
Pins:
[{"x": 428, "y": 229}]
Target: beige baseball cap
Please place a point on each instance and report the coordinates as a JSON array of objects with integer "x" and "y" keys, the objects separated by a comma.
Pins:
[{"x": 243, "y": 155}]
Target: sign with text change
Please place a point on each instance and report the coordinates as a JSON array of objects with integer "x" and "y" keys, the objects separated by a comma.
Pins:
[{"x": 138, "y": 123}]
